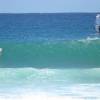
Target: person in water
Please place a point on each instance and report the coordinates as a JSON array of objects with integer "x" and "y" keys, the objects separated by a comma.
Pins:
[{"x": 98, "y": 23}]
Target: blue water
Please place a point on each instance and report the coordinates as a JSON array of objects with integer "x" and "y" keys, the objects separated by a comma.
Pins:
[
  {"x": 50, "y": 56},
  {"x": 37, "y": 27}
]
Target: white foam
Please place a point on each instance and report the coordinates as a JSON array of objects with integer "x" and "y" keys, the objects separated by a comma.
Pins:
[
  {"x": 37, "y": 97},
  {"x": 95, "y": 38},
  {"x": 76, "y": 92},
  {"x": 89, "y": 39},
  {"x": 1, "y": 49}
]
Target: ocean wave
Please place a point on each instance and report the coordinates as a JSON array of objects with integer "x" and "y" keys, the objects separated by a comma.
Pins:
[{"x": 75, "y": 53}]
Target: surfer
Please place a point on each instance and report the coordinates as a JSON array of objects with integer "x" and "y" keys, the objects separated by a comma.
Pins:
[{"x": 98, "y": 24}]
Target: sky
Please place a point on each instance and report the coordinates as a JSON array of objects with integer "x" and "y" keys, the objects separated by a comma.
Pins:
[{"x": 49, "y": 6}]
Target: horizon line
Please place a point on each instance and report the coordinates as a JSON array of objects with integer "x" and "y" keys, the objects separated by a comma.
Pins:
[{"x": 41, "y": 12}]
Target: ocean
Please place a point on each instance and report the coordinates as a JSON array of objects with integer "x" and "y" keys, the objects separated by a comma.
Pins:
[{"x": 49, "y": 56}]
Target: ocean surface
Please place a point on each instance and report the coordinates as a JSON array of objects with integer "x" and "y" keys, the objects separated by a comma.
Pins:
[{"x": 49, "y": 56}]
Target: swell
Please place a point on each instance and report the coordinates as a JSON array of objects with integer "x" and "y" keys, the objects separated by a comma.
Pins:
[{"x": 73, "y": 53}]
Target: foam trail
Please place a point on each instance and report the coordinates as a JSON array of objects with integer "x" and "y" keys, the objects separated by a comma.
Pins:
[{"x": 37, "y": 97}]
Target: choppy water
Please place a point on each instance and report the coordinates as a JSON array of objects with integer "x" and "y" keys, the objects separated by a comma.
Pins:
[{"x": 49, "y": 57}]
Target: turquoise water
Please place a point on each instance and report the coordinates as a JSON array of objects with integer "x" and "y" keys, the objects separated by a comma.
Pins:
[
  {"x": 84, "y": 53},
  {"x": 49, "y": 57}
]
